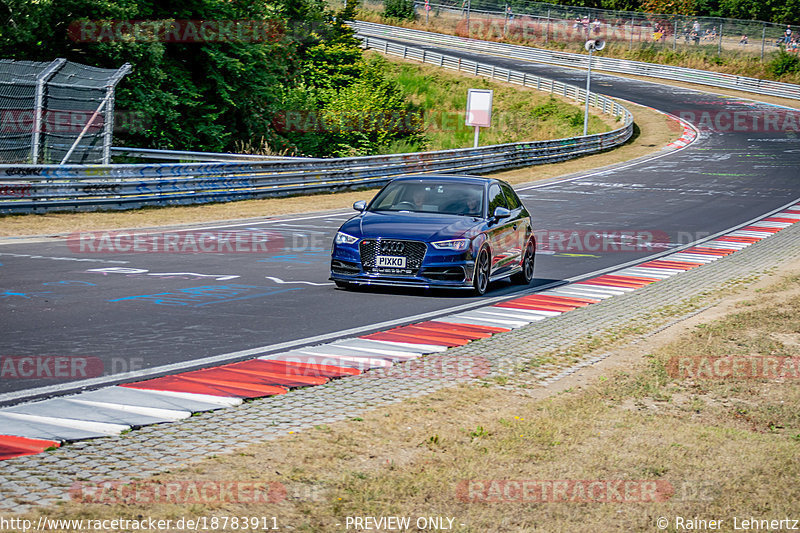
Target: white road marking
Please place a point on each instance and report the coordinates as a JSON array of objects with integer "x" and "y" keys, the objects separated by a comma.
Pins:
[{"x": 282, "y": 282}]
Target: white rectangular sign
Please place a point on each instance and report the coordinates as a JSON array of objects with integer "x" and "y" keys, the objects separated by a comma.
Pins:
[{"x": 479, "y": 107}]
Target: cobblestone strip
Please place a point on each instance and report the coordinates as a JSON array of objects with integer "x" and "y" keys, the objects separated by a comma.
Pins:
[{"x": 46, "y": 478}]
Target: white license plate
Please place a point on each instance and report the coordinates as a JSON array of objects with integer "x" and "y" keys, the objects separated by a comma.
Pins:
[{"x": 390, "y": 261}]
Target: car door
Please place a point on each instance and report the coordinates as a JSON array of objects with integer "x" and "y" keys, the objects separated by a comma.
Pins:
[
  {"x": 501, "y": 232},
  {"x": 520, "y": 224}
]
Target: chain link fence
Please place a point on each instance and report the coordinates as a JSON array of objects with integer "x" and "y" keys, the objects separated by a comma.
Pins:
[
  {"x": 551, "y": 24},
  {"x": 57, "y": 112}
]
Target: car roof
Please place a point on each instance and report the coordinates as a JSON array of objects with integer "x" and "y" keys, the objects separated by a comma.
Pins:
[{"x": 445, "y": 177}]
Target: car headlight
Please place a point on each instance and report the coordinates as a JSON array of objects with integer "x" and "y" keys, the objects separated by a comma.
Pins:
[
  {"x": 344, "y": 238},
  {"x": 458, "y": 245}
]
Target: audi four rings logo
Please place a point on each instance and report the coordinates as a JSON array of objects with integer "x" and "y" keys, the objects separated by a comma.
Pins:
[{"x": 392, "y": 247}]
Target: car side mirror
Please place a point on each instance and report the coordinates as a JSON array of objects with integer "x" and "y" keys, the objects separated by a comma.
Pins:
[
  {"x": 501, "y": 213},
  {"x": 360, "y": 205}
]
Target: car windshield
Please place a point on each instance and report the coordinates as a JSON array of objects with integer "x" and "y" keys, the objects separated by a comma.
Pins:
[{"x": 445, "y": 197}]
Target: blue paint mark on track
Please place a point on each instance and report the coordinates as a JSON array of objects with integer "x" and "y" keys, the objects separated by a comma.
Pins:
[{"x": 206, "y": 295}]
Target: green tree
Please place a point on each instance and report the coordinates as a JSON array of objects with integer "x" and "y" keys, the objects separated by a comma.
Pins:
[
  {"x": 401, "y": 9},
  {"x": 212, "y": 94}
]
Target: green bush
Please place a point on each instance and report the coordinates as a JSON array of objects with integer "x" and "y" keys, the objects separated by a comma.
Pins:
[
  {"x": 360, "y": 118},
  {"x": 401, "y": 9},
  {"x": 784, "y": 63}
]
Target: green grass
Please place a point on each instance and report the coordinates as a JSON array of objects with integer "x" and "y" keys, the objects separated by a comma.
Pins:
[{"x": 517, "y": 115}]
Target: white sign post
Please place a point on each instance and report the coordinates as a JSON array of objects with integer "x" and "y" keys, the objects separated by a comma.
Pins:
[
  {"x": 592, "y": 45},
  {"x": 479, "y": 110}
]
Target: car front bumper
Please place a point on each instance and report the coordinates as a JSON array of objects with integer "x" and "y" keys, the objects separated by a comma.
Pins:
[{"x": 439, "y": 268}]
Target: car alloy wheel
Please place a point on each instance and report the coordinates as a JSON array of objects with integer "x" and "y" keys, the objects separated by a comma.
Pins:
[
  {"x": 526, "y": 275},
  {"x": 482, "y": 268}
]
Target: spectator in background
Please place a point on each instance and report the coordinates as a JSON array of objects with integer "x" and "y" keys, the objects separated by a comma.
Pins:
[
  {"x": 743, "y": 40},
  {"x": 788, "y": 34},
  {"x": 696, "y": 27},
  {"x": 658, "y": 32}
]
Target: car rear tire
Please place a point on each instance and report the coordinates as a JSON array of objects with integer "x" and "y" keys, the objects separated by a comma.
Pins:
[
  {"x": 483, "y": 265},
  {"x": 526, "y": 275}
]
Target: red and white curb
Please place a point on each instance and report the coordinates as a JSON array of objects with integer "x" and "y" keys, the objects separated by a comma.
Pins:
[
  {"x": 688, "y": 137},
  {"x": 33, "y": 427}
]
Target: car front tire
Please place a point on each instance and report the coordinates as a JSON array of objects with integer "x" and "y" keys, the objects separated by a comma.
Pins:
[{"x": 483, "y": 265}]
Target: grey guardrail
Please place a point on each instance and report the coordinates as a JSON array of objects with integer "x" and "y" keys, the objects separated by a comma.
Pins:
[
  {"x": 623, "y": 66},
  {"x": 44, "y": 188}
]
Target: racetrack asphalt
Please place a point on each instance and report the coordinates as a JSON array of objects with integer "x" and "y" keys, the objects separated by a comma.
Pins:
[{"x": 141, "y": 311}]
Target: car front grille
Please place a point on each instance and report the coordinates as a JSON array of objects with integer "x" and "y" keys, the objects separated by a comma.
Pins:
[{"x": 413, "y": 251}]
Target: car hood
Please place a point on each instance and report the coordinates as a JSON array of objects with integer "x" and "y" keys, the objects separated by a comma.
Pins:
[{"x": 413, "y": 226}]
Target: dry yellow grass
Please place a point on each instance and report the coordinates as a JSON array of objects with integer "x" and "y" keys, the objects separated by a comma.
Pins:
[{"x": 735, "y": 59}]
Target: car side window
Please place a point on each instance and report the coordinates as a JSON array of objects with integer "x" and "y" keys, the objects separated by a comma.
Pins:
[
  {"x": 511, "y": 197},
  {"x": 496, "y": 198}
]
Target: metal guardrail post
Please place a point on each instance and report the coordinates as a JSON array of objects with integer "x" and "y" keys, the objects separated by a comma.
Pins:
[
  {"x": 38, "y": 106},
  {"x": 630, "y": 45},
  {"x": 108, "y": 133},
  {"x": 108, "y": 127},
  {"x": 675, "y": 36}
]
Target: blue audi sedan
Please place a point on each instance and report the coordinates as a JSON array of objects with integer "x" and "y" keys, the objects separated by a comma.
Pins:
[{"x": 436, "y": 231}]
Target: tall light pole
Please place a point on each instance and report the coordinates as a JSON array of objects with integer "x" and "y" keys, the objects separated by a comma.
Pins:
[{"x": 591, "y": 46}]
